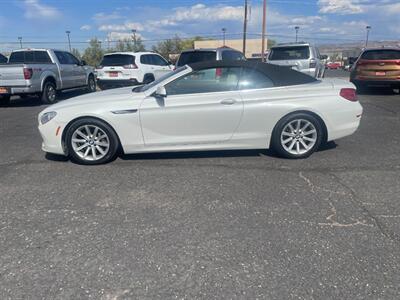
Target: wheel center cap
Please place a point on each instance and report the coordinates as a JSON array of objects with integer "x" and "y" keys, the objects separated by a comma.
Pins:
[{"x": 91, "y": 142}]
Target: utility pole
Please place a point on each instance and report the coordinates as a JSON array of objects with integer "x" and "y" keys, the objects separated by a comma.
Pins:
[
  {"x": 223, "y": 34},
  {"x": 245, "y": 26},
  {"x": 368, "y": 28},
  {"x": 69, "y": 40},
  {"x": 297, "y": 31},
  {"x": 20, "y": 41},
  {"x": 264, "y": 23}
]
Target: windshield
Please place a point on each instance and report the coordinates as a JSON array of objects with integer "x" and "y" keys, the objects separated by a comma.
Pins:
[
  {"x": 155, "y": 82},
  {"x": 196, "y": 56},
  {"x": 289, "y": 53},
  {"x": 117, "y": 60}
]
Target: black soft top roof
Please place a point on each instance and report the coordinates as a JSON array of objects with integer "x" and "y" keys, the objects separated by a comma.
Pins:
[{"x": 280, "y": 76}]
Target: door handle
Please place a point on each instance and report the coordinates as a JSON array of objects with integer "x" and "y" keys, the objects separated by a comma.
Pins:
[{"x": 228, "y": 101}]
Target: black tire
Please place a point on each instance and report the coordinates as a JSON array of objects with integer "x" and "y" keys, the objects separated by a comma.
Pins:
[
  {"x": 148, "y": 78},
  {"x": 49, "y": 94},
  {"x": 5, "y": 100},
  {"x": 91, "y": 87},
  {"x": 77, "y": 156},
  {"x": 280, "y": 131}
]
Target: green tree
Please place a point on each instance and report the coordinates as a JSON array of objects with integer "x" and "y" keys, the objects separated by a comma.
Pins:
[
  {"x": 94, "y": 53},
  {"x": 134, "y": 45},
  {"x": 175, "y": 45},
  {"x": 76, "y": 53},
  {"x": 270, "y": 43}
]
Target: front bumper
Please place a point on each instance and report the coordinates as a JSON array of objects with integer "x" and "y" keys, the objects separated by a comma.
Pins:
[{"x": 51, "y": 133}]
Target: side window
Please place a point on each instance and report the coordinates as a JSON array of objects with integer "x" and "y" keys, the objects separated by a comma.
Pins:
[
  {"x": 62, "y": 59},
  {"x": 205, "y": 81},
  {"x": 252, "y": 79},
  {"x": 42, "y": 57},
  {"x": 145, "y": 59},
  {"x": 72, "y": 60},
  {"x": 159, "y": 61}
]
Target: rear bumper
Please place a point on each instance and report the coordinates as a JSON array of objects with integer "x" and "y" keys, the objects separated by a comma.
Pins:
[
  {"x": 116, "y": 83},
  {"x": 374, "y": 82},
  {"x": 18, "y": 90}
]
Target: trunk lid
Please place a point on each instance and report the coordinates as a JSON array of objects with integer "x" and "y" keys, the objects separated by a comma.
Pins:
[{"x": 12, "y": 75}]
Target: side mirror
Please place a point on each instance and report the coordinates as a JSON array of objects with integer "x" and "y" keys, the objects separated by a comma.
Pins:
[
  {"x": 83, "y": 63},
  {"x": 161, "y": 92}
]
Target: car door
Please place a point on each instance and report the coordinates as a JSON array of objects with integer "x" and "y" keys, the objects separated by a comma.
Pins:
[
  {"x": 161, "y": 66},
  {"x": 66, "y": 70},
  {"x": 202, "y": 107},
  {"x": 78, "y": 70}
]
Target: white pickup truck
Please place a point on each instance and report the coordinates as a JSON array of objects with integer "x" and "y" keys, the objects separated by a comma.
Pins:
[{"x": 43, "y": 72}]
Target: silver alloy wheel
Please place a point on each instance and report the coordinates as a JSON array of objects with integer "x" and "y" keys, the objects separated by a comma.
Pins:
[
  {"x": 51, "y": 93},
  {"x": 92, "y": 84},
  {"x": 90, "y": 142},
  {"x": 299, "y": 136}
]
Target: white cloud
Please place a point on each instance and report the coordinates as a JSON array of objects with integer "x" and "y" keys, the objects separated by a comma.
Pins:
[
  {"x": 121, "y": 27},
  {"x": 120, "y": 36},
  {"x": 104, "y": 17},
  {"x": 342, "y": 7},
  {"x": 35, "y": 10},
  {"x": 86, "y": 27}
]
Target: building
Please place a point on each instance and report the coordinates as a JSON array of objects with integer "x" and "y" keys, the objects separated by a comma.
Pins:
[{"x": 253, "y": 46}]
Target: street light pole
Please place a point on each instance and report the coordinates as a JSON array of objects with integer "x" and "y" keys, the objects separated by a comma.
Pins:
[
  {"x": 245, "y": 27},
  {"x": 297, "y": 31},
  {"x": 264, "y": 23},
  {"x": 69, "y": 39},
  {"x": 368, "y": 28},
  {"x": 223, "y": 34},
  {"x": 20, "y": 41}
]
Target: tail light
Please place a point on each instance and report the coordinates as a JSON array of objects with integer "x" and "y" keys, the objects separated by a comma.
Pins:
[
  {"x": 28, "y": 72},
  {"x": 349, "y": 94},
  {"x": 131, "y": 66},
  {"x": 218, "y": 72},
  {"x": 313, "y": 63}
]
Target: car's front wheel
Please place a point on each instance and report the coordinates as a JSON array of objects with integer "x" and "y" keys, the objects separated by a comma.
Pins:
[
  {"x": 91, "y": 142},
  {"x": 91, "y": 84},
  {"x": 297, "y": 135}
]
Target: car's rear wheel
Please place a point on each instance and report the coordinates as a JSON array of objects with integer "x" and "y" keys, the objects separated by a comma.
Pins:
[
  {"x": 297, "y": 135},
  {"x": 5, "y": 100},
  {"x": 49, "y": 94},
  {"x": 91, "y": 142}
]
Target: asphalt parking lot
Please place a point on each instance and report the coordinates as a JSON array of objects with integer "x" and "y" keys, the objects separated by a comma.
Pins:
[{"x": 216, "y": 225}]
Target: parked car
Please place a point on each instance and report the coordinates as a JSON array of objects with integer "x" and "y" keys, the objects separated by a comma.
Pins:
[
  {"x": 44, "y": 72},
  {"x": 209, "y": 54},
  {"x": 377, "y": 67},
  {"x": 205, "y": 106},
  {"x": 3, "y": 59},
  {"x": 131, "y": 68},
  {"x": 333, "y": 65},
  {"x": 301, "y": 57}
]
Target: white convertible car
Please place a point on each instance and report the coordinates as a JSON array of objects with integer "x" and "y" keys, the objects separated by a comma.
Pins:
[{"x": 205, "y": 106}]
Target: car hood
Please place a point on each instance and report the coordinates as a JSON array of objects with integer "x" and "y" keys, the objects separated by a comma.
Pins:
[{"x": 98, "y": 98}]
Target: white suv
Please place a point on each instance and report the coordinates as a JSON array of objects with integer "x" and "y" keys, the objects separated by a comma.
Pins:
[{"x": 131, "y": 68}]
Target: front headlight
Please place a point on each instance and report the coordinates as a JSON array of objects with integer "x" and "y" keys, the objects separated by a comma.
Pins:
[{"x": 47, "y": 117}]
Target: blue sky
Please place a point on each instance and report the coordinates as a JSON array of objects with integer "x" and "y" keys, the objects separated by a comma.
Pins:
[{"x": 320, "y": 21}]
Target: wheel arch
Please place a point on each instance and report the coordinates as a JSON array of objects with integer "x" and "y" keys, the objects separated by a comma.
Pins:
[
  {"x": 304, "y": 111},
  {"x": 64, "y": 132},
  {"x": 48, "y": 78}
]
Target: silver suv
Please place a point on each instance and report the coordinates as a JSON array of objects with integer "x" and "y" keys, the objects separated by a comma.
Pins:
[
  {"x": 301, "y": 57},
  {"x": 208, "y": 54}
]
